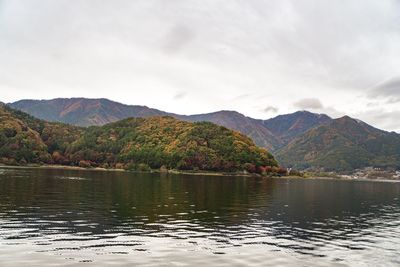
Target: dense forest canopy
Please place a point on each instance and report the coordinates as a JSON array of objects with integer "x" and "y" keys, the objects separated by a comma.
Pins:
[
  {"x": 344, "y": 144},
  {"x": 133, "y": 143}
]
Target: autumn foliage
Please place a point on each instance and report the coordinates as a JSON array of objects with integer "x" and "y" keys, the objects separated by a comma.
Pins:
[{"x": 134, "y": 143}]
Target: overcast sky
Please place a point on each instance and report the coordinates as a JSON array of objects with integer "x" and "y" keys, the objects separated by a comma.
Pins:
[{"x": 261, "y": 58}]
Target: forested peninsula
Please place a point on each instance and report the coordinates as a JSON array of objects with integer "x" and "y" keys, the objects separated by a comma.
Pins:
[{"x": 132, "y": 144}]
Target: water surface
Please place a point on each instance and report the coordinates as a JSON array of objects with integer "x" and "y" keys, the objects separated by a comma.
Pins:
[{"x": 91, "y": 218}]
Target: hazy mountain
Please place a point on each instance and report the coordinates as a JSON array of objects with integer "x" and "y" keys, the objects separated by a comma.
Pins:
[
  {"x": 83, "y": 111},
  {"x": 343, "y": 144},
  {"x": 288, "y": 127}
]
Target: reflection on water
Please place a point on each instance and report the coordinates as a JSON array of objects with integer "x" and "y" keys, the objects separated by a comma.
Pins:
[{"x": 60, "y": 217}]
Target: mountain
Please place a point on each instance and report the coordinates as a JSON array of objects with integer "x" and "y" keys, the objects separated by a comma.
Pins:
[
  {"x": 301, "y": 139},
  {"x": 288, "y": 127},
  {"x": 238, "y": 122},
  {"x": 133, "y": 143},
  {"x": 83, "y": 111},
  {"x": 343, "y": 144},
  {"x": 270, "y": 134}
]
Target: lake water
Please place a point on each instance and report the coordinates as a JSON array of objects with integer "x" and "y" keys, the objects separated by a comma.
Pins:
[{"x": 93, "y": 218}]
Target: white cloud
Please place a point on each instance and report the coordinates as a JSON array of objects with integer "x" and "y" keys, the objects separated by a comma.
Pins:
[
  {"x": 309, "y": 103},
  {"x": 240, "y": 55}
]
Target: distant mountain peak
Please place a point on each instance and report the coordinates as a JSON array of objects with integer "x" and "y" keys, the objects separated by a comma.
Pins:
[
  {"x": 345, "y": 118},
  {"x": 350, "y": 124},
  {"x": 289, "y": 126},
  {"x": 83, "y": 111},
  {"x": 302, "y": 112}
]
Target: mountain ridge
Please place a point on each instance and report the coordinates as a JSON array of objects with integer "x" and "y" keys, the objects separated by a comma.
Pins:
[
  {"x": 301, "y": 139},
  {"x": 239, "y": 122},
  {"x": 343, "y": 144},
  {"x": 88, "y": 112},
  {"x": 83, "y": 111},
  {"x": 289, "y": 126}
]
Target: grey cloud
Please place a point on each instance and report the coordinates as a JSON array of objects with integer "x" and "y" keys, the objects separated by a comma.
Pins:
[
  {"x": 372, "y": 104},
  {"x": 218, "y": 51},
  {"x": 180, "y": 95},
  {"x": 240, "y": 97},
  {"x": 381, "y": 118},
  {"x": 392, "y": 87},
  {"x": 177, "y": 38},
  {"x": 309, "y": 103},
  {"x": 387, "y": 92},
  {"x": 270, "y": 109},
  {"x": 393, "y": 100},
  {"x": 389, "y": 88}
]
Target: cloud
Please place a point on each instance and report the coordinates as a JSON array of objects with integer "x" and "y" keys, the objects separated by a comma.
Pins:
[
  {"x": 309, "y": 103},
  {"x": 236, "y": 55},
  {"x": 389, "y": 89},
  {"x": 381, "y": 118},
  {"x": 177, "y": 38},
  {"x": 393, "y": 100},
  {"x": 241, "y": 97},
  {"x": 388, "y": 92},
  {"x": 180, "y": 95},
  {"x": 270, "y": 109}
]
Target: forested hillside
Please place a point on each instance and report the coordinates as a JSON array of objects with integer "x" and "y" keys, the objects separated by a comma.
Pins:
[
  {"x": 271, "y": 134},
  {"x": 25, "y": 139},
  {"x": 343, "y": 144},
  {"x": 134, "y": 143},
  {"x": 301, "y": 139}
]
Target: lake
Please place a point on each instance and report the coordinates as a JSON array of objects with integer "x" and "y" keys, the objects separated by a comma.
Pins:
[{"x": 54, "y": 217}]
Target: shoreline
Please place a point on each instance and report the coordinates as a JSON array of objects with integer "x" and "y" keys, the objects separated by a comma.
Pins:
[
  {"x": 196, "y": 173},
  {"x": 77, "y": 168}
]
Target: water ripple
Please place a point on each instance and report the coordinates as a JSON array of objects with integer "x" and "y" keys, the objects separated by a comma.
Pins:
[{"x": 73, "y": 218}]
